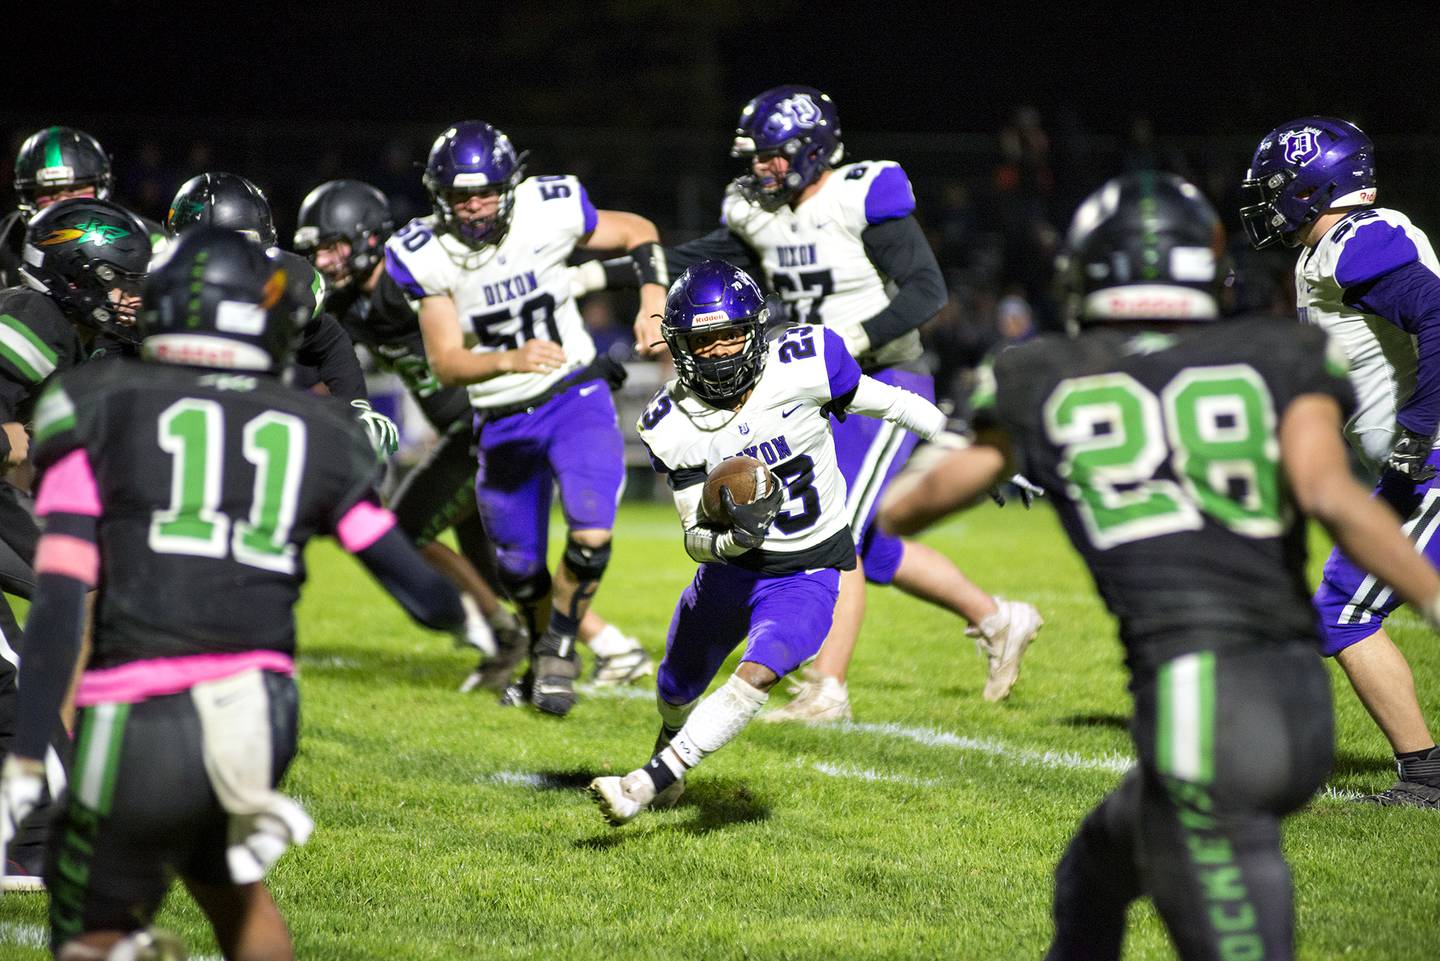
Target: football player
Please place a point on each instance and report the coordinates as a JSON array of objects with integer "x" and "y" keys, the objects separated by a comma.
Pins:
[
  {"x": 770, "y": 568},
  {"x": 325, "y": 354},
  {"x": 488, "y": 269},
  {"x": 342, "y": 229},
  {"x": 841, "y": 245},
  {"x": 54, "y": 164},
  {"x": 203, "y": 476},
  {"x": 1183, "y": 453},
  {"x": 1367, "y": 277}
]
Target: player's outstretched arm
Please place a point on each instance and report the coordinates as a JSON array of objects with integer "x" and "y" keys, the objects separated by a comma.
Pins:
[
  {"x": 368, "y": 531},
  {"x": 325, "y": 346},
  {"x": 897, "y": 405},
  {"x": 455, "y": 366},
  {"x": 918, "y": 498},
  {"x": 621, "y": 230},
  {"x": 1365, "y": 528}
]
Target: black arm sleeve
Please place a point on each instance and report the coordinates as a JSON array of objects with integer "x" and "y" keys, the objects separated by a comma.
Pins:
[
  {"x": 421, "y": 590},
  {"x": 49, "y": 651},
  {"x": 899, "y": 250},
  {"x": 325, "y": 347},
  {"x": 721, "y": 243}
]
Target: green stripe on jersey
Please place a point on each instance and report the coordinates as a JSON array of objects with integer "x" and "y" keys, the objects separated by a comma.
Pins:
[
  {"x": 1185, "y": 735},
  {"x": 27, "y": 353},
  {"x": 97, "y": 756},
  {"x": 54, "y": 413}
]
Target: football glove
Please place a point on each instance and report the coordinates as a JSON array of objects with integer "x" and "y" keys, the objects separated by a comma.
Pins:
[
  {"x": 384, "y": 435},
  {"x": 21, "y": 783},
  {"x": 1022, "y": 485},
  {"x": 1409, "y": 455},
  {"x": 750, "y": 522}
]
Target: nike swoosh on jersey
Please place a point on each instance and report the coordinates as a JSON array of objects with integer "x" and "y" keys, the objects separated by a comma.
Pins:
[{"x": 791, "y": 410}]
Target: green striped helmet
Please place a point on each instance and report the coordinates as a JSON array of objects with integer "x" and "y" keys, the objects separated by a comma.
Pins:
[{"x": 59, "y": 158}]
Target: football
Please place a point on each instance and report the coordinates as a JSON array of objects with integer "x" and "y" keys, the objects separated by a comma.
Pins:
[{"x": 746, "y": 478}]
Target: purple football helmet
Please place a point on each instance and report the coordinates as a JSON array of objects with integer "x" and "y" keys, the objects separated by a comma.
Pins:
[
  {"x": 801, "y": 124},
  {"x": 1300, "y": 170},
  {"x": 473, "y": 157},
  {"x": 710, "y": 297}
]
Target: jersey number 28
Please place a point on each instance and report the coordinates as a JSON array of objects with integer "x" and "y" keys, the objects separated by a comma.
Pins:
[{"x": 1215, "y": 426}]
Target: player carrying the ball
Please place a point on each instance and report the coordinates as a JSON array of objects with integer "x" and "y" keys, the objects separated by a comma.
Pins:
[{"x": 769, "y": 564}]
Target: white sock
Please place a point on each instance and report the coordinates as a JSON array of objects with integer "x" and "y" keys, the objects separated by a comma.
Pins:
[
  {"x": 714, "y": 723},
  {"x": 611, "y": 641}
]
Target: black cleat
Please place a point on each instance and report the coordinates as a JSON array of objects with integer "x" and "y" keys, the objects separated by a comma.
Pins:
[
  {"x": 494, "y": 672},
  {"x": 1406, "y": 794},
  {"x": 554, "y": 666}
]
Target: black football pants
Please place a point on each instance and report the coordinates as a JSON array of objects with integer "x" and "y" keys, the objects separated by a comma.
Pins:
[{"x": 1228, "y": 742}]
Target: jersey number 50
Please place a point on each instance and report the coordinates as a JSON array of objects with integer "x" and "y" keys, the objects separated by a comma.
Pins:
[
  {"x": 1214, "y": 425},
  {"x": 192, "y": 431}
]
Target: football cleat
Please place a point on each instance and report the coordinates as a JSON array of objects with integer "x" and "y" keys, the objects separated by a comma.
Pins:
[
  {"x": 616, "y": 669},
  {"x": 1406, "y": 794},
  {"x": 820, "y": 699},
  {"x": 1002, "y": 638},
  {"x": 493, "y": 673},
  {"x": 621, "y": 799},
  {"x": 20, "y": 878},
  {"x": 554, "y": 666}
]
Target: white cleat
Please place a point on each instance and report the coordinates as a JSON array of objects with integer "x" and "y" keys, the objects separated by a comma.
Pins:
[
  {"x": 1002, "y": 638},
  {"x": 621, "y": 799},
  {"x": 622, "y": 668},
  {"x": 820, "y": 700}
]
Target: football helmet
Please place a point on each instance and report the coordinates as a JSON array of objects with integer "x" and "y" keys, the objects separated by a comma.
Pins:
[
  {"x": 59, "y": 158},
  {"x": 801, "y": 124},
  {"x": 1145, "y": 246},
  {"x": 219, "y": 199},
  {"x": 473, "y": 157},
  {"x": 218, "y": 300},
  {"x": 78, "y": 251},
  {"x": 1300, "y": 170},
  {"x": 713, "y": 296},
  {"x": 345, "y": 210}
]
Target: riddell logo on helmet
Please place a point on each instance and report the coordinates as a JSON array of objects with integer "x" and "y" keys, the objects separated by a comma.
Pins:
[
  {"x": 1150, "y": 305},
  {"x": 709, "y": 316},
  {"x": 1301, "y": 146}
]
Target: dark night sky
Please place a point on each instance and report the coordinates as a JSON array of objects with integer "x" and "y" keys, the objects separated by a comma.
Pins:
[{"x": 691, "y": 64}]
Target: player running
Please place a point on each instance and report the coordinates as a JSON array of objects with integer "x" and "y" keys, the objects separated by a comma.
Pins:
[
  {"x": 185, "y": 488},
  {"x": 841, "y": 246},
  {"x": 488, "y": 269},
  {"x": 769, "y": 569},
  {"x": 1183, "y": 453},
  {"x": 1367, "y": 277}
]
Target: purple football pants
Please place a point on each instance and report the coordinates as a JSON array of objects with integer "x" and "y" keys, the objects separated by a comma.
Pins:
[
  {"x": 1351, "y": 603},
  {"x": 871, "y": 452},
  {"x": 785, "y": 617},
  {"x": 573, "y": 440}
]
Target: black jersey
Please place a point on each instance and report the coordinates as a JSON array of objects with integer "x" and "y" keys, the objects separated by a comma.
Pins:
[
  {"x": 1161, "y": 452},
  {"x": 383, "y": 320},
  {"x": 36, "y": 341},
  {"x": 209, "y": 486}
]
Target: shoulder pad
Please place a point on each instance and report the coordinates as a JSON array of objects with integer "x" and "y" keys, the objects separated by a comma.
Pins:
[{"x": 1372, "y": 247}]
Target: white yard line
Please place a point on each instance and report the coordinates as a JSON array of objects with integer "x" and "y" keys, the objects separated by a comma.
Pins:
[
  {"x": 931, "y": 737},
  {"x": 867, "y": 774}
]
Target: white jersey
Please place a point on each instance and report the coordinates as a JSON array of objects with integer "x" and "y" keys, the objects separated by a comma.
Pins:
[
  {"x": 815, "y": 258},
  {"x": 785, "y": 424},
  {"x": 1383, "y": 358},
  {"x": 508, "y": 294}
]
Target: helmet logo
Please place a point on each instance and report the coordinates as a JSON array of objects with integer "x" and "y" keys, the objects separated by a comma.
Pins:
[
  {"x": 797, "y": 111},
  {"x": 92, "y": 233},
  {"x": 274, "y": 288},
  {"x": 1301, "y": 146}
]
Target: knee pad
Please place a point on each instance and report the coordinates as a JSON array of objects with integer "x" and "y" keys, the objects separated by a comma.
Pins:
[
  {"x": 586, "y": 563},
  {"x": 525, "y": 588}
]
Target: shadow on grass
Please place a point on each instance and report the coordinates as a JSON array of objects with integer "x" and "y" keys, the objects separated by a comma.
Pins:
[
  {"x": 1348, "y": 763},
  {"x": 706, "y": 807},
  {"x": 1118, "y": 722}
]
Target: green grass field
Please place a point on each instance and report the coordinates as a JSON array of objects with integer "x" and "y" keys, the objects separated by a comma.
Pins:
[{"x": 449, "y": 827}]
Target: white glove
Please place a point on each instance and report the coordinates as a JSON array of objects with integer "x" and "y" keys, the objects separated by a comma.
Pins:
[
  {"x": 22, "y": 781},
  {"x": 384, "y": 435},
  {"x": 856, "y": 340},
  {"x": 586, "y": 278},
  {"x": 476, "y": 631}
]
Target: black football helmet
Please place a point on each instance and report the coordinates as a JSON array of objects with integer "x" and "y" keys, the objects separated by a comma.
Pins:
[
  {"x": 218, "y": 300},
  {"x": 1145, "y": 246},
  {"x": 90, "y": 256},
  {"x": 345, "y": 210},
  {"x": 219, "y": 199},
  {"x": 59, "y": 158}
]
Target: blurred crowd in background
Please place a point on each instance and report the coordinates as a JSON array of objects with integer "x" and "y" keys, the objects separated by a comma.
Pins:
[{"x": 995, "y": 206}]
